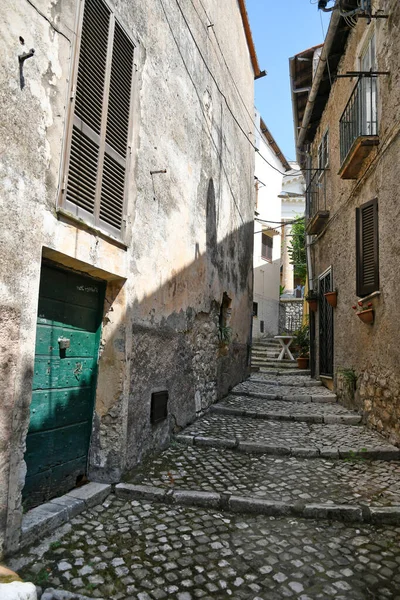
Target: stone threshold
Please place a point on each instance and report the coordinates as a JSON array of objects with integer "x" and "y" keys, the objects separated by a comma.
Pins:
[
  {"x": 52, "y": 594},
  {"x": 42, "y": 520},
  {"x": 380, "y": 453},
  {"x": 276, "y": 416},
  {"x": 320, "y": 398},
  {"x": 247, "y": 504}
]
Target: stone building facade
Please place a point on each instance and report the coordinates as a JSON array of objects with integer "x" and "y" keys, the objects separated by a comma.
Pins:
[
  {"x": 350, "y": 125},
  {"x": 127, "y": 200}
]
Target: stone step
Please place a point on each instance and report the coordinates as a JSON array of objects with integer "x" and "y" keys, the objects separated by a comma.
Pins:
[
  {"x": 286, "y": 363},
  {"x": 288, "y": 439},
  {"x": 350, "y": 490},
  {"x": 282, "y": 372},
  {"x": 290, "y": 410},
  {"x": 282, "y": 392},
  {"x": 288, "y": 381}
]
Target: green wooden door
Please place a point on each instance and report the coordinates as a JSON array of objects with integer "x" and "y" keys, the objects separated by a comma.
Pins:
[{"x": 64, "y": 382}]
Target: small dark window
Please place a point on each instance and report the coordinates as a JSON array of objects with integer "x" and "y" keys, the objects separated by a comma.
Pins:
[
  {"x": 159, "y": 407},
  {"x": 255, "y": 309},
  {"x": 266, "y": 246},
  {"x": 367, "y": 255},
  {"x": 261, "y": 326},
  {"x": 323, "y": 152}
]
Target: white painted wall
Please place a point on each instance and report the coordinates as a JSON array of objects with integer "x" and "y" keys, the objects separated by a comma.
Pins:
[
  {"x": 292, "y": 206},
  {"x": 268, "y": 207}
]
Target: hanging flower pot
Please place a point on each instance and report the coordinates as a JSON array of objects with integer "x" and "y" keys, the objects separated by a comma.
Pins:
[
  {"x": 366, "y": 316},
  {"x": 331, "y": 298},
  {"x": 313, "y": 304}
]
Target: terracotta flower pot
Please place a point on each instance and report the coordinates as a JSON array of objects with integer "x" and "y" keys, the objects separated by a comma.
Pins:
[
  {"x": 313, "y": 304},
  {"x": 331, "y": 298},
  {"x": 302, "y": 362},
  {"x": 366, "y": 316}
]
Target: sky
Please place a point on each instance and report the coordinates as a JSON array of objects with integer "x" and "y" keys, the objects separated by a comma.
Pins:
[{"x": 281, "y": 29}]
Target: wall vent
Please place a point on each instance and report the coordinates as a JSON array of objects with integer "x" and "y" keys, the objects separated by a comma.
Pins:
[{"x": 159, "y": 407}]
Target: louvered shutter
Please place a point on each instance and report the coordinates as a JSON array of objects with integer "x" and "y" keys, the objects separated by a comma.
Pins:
[
  {"x": 113, "y": 183},
  {"x": 367, "y": 248},
  {"x": 98, "y": 154},
  {"x": 87, "y": 119}
]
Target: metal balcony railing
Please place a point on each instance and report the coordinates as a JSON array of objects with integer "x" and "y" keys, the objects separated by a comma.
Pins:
[
  {"x": 316, "y": 193},
  {"x": 360, "y": 117}
]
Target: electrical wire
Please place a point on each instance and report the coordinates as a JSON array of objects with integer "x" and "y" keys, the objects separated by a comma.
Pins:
[
  {"x": 202, "y": 109},
  {"x": 221, "y": 92}
]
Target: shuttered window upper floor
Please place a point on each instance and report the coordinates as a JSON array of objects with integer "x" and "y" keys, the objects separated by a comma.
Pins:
[
  {"x": 98, "y": 143},
  {"x": 367, "y": 248}
]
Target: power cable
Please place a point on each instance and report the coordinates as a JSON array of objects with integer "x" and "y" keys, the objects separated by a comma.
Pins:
[
  {"x": 202, "y": 108},
  {"x": 221, "y": 92}
]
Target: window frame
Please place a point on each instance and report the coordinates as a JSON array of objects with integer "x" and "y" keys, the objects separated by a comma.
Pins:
[
  {"x": 323, "y": 154},
  {"x": 76, "y": 213},
  {"x": 363, "y": 289},
  {"x": 271, "y": 247}
]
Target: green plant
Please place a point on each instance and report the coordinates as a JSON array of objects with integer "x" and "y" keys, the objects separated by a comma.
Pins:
[
  {"x": 297, "y": 249},
  {"x": 55, "y": 545},
  {"x": 311, "y": 295},
  {"x": 225, "y": 334},
  {"x": 301, "y": 339},
  {"x": 281, "y": 290},
  {"x": 349, "y": 375}
]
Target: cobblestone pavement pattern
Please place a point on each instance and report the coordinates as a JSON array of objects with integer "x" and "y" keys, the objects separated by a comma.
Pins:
[
  {"x": 275, "y": 478},
  {"x": 124, "y": 550},
  {"x": 144, "y": 550},
  {"x": 279, "y": 433}
]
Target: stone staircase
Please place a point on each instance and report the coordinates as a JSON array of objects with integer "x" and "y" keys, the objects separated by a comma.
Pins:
[
  {"x": 278, "y": 444},
  {"x": 264, "y": 359}
]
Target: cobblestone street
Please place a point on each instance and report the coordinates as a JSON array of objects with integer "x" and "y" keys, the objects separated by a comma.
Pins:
[{"x": 277, "y": 492}]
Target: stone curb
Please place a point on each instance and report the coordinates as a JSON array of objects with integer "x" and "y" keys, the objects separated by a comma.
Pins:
[
  {"x": 42, "y": 520},
  {"x": 247, "y": 504},
  {"x": 52, "y": 594},
  {"x": 274, "y": 416},
  {"x": 380, "y": 453},
  {"x": 307, "y": 398}
]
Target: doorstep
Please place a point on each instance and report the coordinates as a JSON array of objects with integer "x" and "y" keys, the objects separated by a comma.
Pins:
[{"x": 43, "y": 519}]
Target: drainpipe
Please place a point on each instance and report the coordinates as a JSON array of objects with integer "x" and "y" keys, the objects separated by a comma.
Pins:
[{"x": 333, "y": 24}]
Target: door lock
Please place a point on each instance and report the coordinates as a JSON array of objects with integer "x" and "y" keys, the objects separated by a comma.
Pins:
[{"x": 64, "y": 343}]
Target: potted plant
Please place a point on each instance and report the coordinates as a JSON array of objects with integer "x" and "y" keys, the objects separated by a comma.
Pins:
[
  {"x": 331, "y": 298},
  {"x": 312, "y": 299},
  {"x": 301, "y": 340},
  {"x": 365, "y": 312}
]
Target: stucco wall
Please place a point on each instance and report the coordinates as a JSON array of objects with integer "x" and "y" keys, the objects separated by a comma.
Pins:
[
  {"x": 185, "y": 246},
  {"x": 370, "y": 350}
]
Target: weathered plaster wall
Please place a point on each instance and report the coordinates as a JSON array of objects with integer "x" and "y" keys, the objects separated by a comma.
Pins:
[
  {"x": 186, "y": 245},
  {"x": 369, "y": 349}
]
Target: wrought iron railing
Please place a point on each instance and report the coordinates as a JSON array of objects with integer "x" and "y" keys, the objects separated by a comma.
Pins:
[
  {"x": 316, "y": 193},
  {"x": 360, "y": 117}
]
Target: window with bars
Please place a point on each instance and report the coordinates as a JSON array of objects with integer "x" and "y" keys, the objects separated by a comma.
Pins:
[
  {"x": 367, "y": 254},
  {"x": 97, "y": 156},
  {"x": 323, "y": 153},
  {"x": 266, "y": 246}
]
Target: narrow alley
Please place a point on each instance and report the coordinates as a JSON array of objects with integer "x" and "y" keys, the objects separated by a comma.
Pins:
[{"x": 277, "y": 492}]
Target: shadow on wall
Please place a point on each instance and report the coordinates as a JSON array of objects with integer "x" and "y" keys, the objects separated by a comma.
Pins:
[{"x": 168, "y": 340}]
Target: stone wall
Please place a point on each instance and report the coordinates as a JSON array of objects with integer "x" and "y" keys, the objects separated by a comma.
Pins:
[
  {"x": 290, "y": 315},
  {"x": 369, "y": 349},
  {"x": 189, "y": 226}
]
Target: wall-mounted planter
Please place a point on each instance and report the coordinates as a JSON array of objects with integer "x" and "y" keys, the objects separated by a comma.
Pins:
[
  {"x": 331, "y": 298},
  {"x": 313, "y": 304},
  {"x": 366, "y": 316}
]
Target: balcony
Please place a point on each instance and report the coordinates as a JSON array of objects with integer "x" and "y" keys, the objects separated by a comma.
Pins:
[
  {"x": 316, "y": 211},
  {"x": 358, "y": 127}
]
